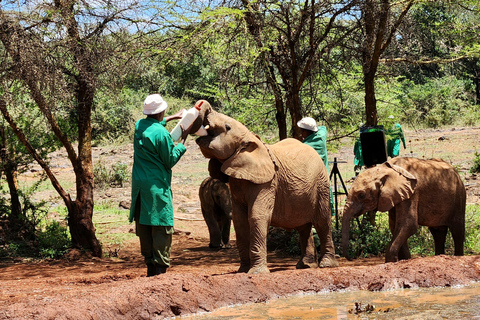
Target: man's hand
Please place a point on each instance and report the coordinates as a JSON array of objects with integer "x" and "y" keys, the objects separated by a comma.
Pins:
[
  {"x": 176, "y": 116},
  {"x": 185, "y": 133}
]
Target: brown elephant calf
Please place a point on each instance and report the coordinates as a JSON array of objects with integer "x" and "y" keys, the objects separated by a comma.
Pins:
[
  {"x": 216, "y": 206},
  {"x": 414, "y": 192}
]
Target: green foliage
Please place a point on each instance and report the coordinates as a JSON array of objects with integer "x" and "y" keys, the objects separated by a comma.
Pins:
[
  {"x": 117, "y": 175},
  {"x": 113, "y": 118},
  {"x": 472, "y": 229},
  {"x": 366, "y": 240},
  {"x": 54, "y": 241},
  {"x": 476, "y": 163},
  {"x": 279, "y": 239},
  {"x": 436, "y": 103},
  {"x": 35, "y": 235}
]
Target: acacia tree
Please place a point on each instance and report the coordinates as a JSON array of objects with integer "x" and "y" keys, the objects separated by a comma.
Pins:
[
  {"x": 60, "y": 51},
  {"x": 380, "y": 20},
  {"x": 294, "y": 38}
]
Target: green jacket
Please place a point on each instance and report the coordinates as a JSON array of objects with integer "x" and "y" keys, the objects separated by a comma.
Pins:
[
  {"x": 393, "y": 143},
  {"x": 357, "y": 150},
  {"x": 154, "y": 156},
  {"x": 318, "y": 141}
]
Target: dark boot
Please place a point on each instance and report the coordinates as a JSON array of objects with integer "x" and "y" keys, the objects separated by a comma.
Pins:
[
  {"x": 151, "y": 270},
  {"x": 160, "y": 270}
]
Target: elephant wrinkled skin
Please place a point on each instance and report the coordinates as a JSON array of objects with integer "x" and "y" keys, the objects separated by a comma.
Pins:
[
  {"x": 414, "y": 192},
  {"x": 283, "y": 185}
]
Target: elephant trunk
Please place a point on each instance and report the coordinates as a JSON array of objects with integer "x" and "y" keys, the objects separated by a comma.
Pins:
[
  {"x": 347, "y": 216},
  {"x": 205, "y": 109}
]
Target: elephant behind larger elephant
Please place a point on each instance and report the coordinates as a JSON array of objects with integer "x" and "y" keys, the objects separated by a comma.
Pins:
[{"x": 283, "y": 185}]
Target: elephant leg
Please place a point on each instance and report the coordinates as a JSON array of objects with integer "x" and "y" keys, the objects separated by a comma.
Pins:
[
  {"x": 458, "y": 235},
  {"x": 213, "y": 227},
  {"x": 402, "y": 224},
  {"x": 226, "y": 224},
  {"x": 327, "y": 249},
  {"x": 258, "y": 245},
  {"x": 242, "y": 233},
  {"x": 307, "y": 246},
  {"x": 439, "y": 236},
  {"x": 404, "y": 252}
]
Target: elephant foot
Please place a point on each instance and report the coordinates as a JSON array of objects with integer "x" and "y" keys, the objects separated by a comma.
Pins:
[
  {"x": 390, "y": 258},
  {"x": 306, "y": 264},
  {"x": 328, "y": 261},
  {"x": 259, "y": 270},
  {"x": 243, "y": 268},
  {"x": 214, "y": 246}
]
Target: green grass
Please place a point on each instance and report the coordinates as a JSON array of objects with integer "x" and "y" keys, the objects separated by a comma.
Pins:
[{"x": 109, "y": 220}]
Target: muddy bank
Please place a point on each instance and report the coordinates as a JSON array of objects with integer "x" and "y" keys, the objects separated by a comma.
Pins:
[{"x": 175, "y": 294}]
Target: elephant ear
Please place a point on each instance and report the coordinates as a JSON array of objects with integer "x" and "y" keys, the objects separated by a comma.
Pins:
[
  {"x": 251, "y": 162},
  {"x": 398, "y": 185}
]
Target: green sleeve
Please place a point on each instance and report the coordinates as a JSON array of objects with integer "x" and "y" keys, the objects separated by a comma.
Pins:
[{"x": 168, "y": 152}]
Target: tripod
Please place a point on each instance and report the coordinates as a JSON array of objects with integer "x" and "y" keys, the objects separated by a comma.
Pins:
[{"x": 336, "y": 173}]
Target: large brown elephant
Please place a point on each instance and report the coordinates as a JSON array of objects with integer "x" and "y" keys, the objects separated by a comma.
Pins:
[
  {"x": 414, "y": 192},
  {"x": 283, "y": 185}
]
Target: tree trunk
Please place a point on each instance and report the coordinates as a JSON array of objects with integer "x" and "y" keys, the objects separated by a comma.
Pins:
[
  {"x": 80, "y": 218},
  {"x": 281, "y": 121},
  {"x": 370, "y": 100},
  {"x": 10, "y": 170},
  {"x": 294, "y": 106},
  {"x": 80, "y": 211}
]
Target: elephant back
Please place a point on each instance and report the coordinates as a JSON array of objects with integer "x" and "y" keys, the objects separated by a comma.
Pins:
[
  {"x": 440, "y": 188},
  {"x": 298, "y": 160}
]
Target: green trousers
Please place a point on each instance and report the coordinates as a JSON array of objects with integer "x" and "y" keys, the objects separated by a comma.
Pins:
[{"x": 155, "y": 241}]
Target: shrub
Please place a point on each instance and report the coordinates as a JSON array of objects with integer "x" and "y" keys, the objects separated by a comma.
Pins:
[
  {"x": 279, "y": 239},
  {"x": 54, "y": 241},
  {"x": 116, "y": 176},
  {"x": 366, "y": 240},
  {"x": 476, "y": 163}
]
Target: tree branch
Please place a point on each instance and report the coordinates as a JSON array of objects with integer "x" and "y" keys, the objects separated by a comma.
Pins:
[{"x": 21, "y": 136}]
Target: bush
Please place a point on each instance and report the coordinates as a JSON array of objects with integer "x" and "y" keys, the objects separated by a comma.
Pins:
[
  {"x": 435, "y": 103},
  {"x": 279, "y": 239},
  {"x": 472, "y": 229},
  {"x": 34, "y": 235},
  {"x": 105, "y": 177},
  {"x": 366, "y": 240},
  {"x": 54, "y": 241},
  {"x": 476, "y": 163}
]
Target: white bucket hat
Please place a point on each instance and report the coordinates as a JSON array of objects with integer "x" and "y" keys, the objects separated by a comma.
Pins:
[
  {"x": 154, "y": 104},
  {"x": 308, "y": 124}
]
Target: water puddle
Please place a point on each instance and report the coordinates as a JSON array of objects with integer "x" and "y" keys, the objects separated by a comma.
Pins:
[{"x": 424, "y": 303}]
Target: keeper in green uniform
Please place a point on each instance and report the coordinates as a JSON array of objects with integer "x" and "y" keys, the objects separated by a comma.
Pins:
[
  {"x": 358, "y": 160},
  {"x": 316, "y": 137},
  {"x": 395, "y": 135},
  {"x": 152, "y": 209}
]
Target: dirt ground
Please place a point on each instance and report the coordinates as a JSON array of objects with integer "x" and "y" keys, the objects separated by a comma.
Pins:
[{"x": 201, "y": 279}]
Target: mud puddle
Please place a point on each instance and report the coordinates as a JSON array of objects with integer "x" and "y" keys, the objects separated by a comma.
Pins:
[{"x": 422, "y": 303}]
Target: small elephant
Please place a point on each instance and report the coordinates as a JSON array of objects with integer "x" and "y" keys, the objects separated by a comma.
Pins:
[
  {"x": 216, "y": 207},
  {"x": 414, "y": 192},
  {"x": 282, "y": 185}
]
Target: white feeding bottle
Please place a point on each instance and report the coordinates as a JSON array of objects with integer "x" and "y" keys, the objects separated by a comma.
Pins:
[{"x": 187, "y": 119}]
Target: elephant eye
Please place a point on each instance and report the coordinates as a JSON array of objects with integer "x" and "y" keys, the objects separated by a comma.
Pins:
[
  {"x": 361, "y": 195},
  {"x": 228, "y": 126}
]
